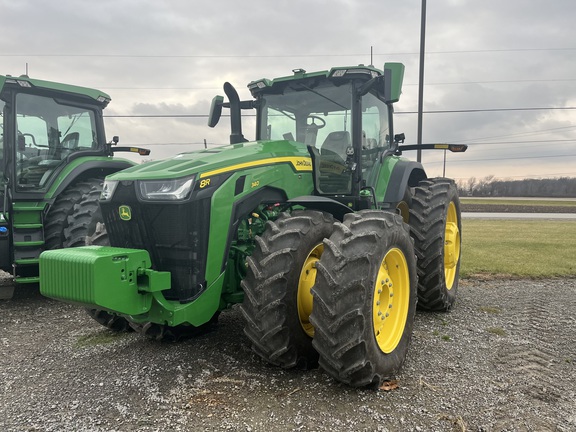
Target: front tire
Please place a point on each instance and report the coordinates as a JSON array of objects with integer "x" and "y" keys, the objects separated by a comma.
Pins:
[
  {"x": 278, "y": 301},
  {"x": 436, "y": 226},
  {"x": 365, "y": 298}
]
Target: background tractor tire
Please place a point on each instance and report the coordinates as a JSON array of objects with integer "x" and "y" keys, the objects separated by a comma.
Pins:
[
  {"x": 435, "y": 223},
  {"x": 278, "y": 301},
  {"x": 365, "y": 298},
  {"x": 85, "y": 224},
  {"x": 57, "y": 218}
]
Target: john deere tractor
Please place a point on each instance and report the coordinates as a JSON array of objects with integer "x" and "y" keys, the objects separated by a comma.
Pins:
[
  {"x": 320, "y": 229},
  {"x": 52, "y": 152}
]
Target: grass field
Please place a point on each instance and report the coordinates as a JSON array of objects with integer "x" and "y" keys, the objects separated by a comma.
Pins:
[
  {"x": 519, "y": 202},
  {"x": 535, "y": 249}
]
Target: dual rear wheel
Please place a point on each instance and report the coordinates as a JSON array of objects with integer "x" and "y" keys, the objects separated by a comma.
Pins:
[
  {"x": 344, "y": 295},
  {"x": 360, "y": 276}
]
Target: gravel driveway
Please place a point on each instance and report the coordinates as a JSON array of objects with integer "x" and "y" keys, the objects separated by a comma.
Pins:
[{"x": 503, "y": 360}]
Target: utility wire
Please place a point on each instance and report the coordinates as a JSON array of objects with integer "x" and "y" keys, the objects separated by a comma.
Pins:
[
  {"x": 558, "y": 80},
  {"x": 503, "y": 50},
  {"x": 501, "y": 143},
  {"x": 396, "y": 112}
]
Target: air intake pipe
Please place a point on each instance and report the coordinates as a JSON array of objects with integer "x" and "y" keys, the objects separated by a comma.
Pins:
[{"x": 235, "y": 114}]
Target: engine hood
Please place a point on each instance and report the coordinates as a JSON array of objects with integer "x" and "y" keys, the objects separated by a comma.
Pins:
[{"x": 221, "y": 159}]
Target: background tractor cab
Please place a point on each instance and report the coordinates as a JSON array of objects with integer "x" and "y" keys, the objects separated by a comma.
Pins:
[{"x": 52, "y": 151}]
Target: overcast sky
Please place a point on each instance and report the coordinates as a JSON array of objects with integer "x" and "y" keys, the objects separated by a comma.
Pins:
[{"x": 500, "y": 59}]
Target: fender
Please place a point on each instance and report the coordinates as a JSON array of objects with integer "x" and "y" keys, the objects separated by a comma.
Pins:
[
  {"x": 405, "y": 174},
  {"x": 325, "y": 204},
  {"x": 90, "y": 169}
]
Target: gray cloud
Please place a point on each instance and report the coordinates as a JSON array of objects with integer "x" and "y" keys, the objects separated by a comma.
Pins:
[{"x": 172, "y": 57}]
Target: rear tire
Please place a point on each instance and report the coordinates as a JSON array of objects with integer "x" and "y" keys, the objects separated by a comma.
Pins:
[
  {"x": 278, "y": 301},
  {"x": 365, "y": 298},
  {"x": 436, "y": 225}
]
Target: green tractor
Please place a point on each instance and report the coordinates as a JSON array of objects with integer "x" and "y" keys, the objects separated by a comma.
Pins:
[
  {"x": 323, "y": 233},
  {"x": 53, "y": 151}
]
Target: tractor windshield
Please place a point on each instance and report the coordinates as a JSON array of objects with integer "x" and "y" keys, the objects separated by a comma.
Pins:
[
  {"x": 309, "y": 114},
  {"x": 319, "y": 114},
  {"x": 49, "y": 131}
]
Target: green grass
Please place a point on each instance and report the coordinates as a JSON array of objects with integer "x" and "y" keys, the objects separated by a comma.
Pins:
[
  {"x": 534, "y": 249},
  {"x": 519, "y": 202}
]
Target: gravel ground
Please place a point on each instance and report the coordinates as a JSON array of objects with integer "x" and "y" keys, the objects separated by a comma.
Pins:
[{"x": 502, "y": 360}]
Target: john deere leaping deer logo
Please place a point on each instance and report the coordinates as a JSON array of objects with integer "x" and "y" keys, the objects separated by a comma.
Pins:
[{"x": 125, "y": 212}]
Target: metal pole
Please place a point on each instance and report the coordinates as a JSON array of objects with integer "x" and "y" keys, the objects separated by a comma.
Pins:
[{"x": 421, "y": 79}]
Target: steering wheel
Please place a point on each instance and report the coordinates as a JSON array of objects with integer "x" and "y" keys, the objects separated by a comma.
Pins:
[{"x": 313, "y": 118}]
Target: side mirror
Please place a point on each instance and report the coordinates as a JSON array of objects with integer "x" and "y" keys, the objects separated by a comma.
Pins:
[
  {"x": 215, "y": 111},
  {"x": 393, "y": 77}
]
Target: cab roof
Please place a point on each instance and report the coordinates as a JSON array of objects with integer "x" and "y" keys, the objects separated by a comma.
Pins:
[{"x": 26, "y": 82}]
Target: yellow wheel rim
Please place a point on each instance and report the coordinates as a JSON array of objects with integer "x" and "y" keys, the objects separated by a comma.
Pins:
[
  {"x": 451, "y": 246},
  {"x": 305, "y": 284},
  {"x": 391, "y": 300},
  {"x": 404, "y": 210}
]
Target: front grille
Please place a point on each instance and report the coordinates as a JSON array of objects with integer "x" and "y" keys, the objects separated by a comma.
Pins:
[{"x": 174, "y": 234}]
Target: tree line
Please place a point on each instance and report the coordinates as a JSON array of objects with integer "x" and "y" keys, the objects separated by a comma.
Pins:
[{"x": 563, "y": 187}]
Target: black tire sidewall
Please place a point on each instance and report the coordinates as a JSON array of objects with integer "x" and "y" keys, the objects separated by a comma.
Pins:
[{"x": 344, "y": 295}]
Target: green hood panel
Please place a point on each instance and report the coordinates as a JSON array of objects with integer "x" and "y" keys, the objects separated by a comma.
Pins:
[{"x": 220, "y": 160}]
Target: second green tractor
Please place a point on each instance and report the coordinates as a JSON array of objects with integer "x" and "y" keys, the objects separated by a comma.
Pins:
[{"x": 324, "y": 233}]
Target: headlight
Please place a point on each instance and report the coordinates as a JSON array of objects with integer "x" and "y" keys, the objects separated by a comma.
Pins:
[
  {"x": 166, "y": 190},
  {"x": 108, "y": 190}
]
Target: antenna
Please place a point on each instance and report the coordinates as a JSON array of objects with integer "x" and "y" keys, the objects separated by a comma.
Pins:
[
  {"x": 26, "y": 68},
  {"x": 371, "y": 56}
]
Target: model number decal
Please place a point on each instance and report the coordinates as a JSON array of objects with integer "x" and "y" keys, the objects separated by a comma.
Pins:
[
  {"x": 255, "y": 183},
  {"x": 204, "y": 183}
]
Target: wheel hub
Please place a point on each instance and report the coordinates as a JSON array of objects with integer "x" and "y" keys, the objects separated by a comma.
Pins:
[
  {"x": 451, "y": 246},
  {"x": 391, "y": 300},
  {"x": 305, "y": 284}
]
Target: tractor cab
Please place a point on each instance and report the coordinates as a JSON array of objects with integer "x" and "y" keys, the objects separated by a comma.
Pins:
[
  {"x": 343, "y": 116},
  {"x": 44, "y": 127}
]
